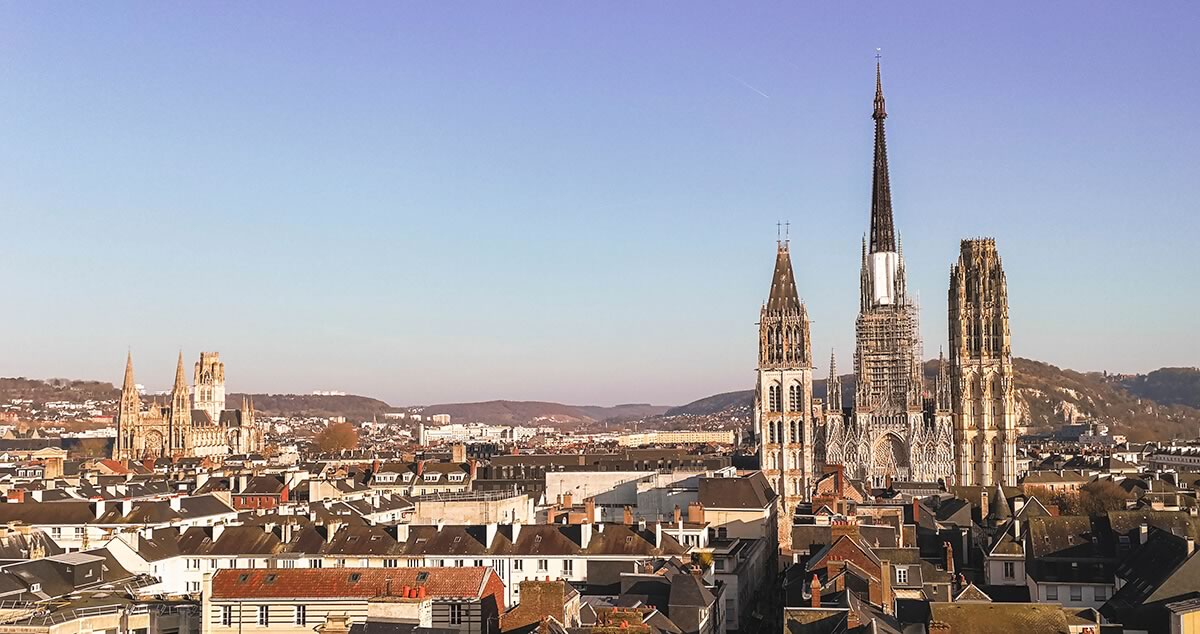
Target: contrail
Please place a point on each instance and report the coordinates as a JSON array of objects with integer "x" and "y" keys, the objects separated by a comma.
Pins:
[{"x": 744, "y": 83}]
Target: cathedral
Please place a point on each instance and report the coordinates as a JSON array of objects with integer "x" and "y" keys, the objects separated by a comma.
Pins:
[
  {"x": 959, "y": 430},
  {"x": 194, "y": 423}
]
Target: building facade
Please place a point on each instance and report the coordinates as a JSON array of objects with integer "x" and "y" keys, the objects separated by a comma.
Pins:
[
  {"x": 783, "y": 397},
  {"x": 180, "y": 428},
  {"x": 984, "y": 403},
  {"x": 891, "y": 432}
]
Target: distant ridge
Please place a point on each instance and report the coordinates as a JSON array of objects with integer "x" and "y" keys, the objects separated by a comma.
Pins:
[{"x": 1162, "y": 404}]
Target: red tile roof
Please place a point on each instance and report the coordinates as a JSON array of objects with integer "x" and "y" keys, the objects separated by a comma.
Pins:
[{"x": 361, "y": 583}]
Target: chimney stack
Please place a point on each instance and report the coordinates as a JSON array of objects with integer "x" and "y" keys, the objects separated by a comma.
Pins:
[
  {"x": 676, "y": 516},
  {"x": 1143, "y": 533},
  {"x": 949, "y": 558},
  {"x": 815, "y": 587},
  {"x": 695, "y": 513}
]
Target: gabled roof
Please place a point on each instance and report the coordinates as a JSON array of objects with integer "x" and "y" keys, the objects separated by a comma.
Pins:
[
  {"x": 972, "y": 593},
  {"x": 1001, "y": 618},
  {"x": 357, "y": 583},
  {"x": 748, "y": 492}
]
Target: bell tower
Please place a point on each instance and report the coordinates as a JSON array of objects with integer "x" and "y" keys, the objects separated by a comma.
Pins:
[
  {"x": 783, "y": 412},
  {"x": 981, "y": 368},
  {"x": 209, "y": 385}
]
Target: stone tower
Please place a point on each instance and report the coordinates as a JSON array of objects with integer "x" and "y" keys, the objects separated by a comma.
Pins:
[
  {"x": 128, "y": 414},
  {"x": 180, "y": 419},
  {"x": 783, "y": 398},
  {"x": 209, "y": 381},
  {"x": 981, "y": 368}
]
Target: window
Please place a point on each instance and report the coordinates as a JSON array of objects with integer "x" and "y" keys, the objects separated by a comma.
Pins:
[
  {"x": 458, "y": 563},
  {"x": 1010, "y": 570},
  {"x": 1077, "y": 593},
  {"x": 314, "y": 563},
  {"x": 543, "y": 565},
  {"x": 227, "y": 615},
  {"x": 794, "y": 402},
  {"x": 1052, "y": 592},
  {"x": 56, "y": 532},
  {"x": 35, "y": 587},
  {"x": 456, "y": 614},
  {"x": 518, "y": 565},
  {"x": 301, "y": 615},
  {"x": 389, "y": 563},
  {"x": 568, "y": 566},
  {"x": 1101, "y": 593},
  {"x": 773, "y": 398},
  {"x": 264, "y": 617},
  {"x": 193, "y": 586},
  {"x": 902, "y": 576}
]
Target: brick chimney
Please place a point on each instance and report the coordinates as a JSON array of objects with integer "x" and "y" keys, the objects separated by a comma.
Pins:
[
  {"x": 886, "y": 594},
  {"x": 695, "y": 513},
  {"x": 458, "y": 453},
  {"x": 949, "y": 558},
  {"x": 916, "y": 510},
  {"x": 628, "y": 518},
  {"x": 815, "y": 587},
  {"x": 589, "y": 508},
  {"x": 676, "y": 515}
]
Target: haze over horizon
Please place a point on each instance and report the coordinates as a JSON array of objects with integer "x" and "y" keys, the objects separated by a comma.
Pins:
[{"x": 448, "y": 203}]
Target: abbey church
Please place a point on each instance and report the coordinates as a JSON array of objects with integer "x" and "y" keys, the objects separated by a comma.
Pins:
[
  {"x": 193, "y": 423},
  {"x": 959, "y": 428}
]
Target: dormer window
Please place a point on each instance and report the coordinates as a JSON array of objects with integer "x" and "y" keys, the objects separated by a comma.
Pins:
[
  {"x": 902, "y": 576},
  {"x": 407, "y": 477},
  {"x": 431, "y": 477},
  {"x": 457, "y": 477}
]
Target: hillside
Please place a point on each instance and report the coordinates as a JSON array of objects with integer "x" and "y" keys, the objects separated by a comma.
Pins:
[
  {"x": 1169, "y": 386},
  {"x": 357, "y": 408},
  {"x": 1049, "y": 397},
  {"x": 511, "y": 412}
]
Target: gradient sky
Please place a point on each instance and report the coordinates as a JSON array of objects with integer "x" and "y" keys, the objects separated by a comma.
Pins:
[{"x": 446, "y": 201}]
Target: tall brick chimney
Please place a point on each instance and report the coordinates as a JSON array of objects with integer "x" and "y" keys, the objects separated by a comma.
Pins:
[
  {"x": 815, "y": 586},
  {"x": 695, "y": 513},
  {"x": 949, "y": 558}
]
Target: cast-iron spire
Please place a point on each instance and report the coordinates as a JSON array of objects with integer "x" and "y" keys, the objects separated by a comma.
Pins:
[{"x": 883, "y": 235}]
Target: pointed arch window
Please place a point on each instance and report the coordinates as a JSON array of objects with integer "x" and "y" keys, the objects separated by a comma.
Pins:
[{"x": 773, "y": 398}]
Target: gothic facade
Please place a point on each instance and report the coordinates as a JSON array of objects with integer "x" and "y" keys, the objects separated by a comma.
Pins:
[
  {"x": 185, "y": 427},
  {"x": 783, "y": 407},
  {"x": 891, "y": 432},
  {"x": 985, "y": 415}
]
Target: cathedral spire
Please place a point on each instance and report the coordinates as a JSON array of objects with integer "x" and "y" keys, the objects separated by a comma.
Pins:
[
  {"x": 180, "y": 381},
  {"x": 833, "y": 387},
  {"x": 883, "y": 238},
  {"x": 129, "y": 385},
  {"x": 784, "y": 296}
]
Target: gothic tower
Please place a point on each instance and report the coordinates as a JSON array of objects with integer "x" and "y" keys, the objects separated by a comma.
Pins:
[
  {"x": 180, "y": 423},
  {"x": 981, "y": 368},
  {"x": 209, "y": 380},
  {"x": 128, "y": 414},
  {"x": 783, "y": 398}
]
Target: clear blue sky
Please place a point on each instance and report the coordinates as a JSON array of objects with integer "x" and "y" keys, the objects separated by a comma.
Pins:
[{"x": 576, "y": 201}]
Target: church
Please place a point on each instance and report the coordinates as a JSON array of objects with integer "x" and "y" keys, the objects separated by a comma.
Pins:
[
  {"x": 959, "y": 430},
  {"x": 193, "y": 423}
]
